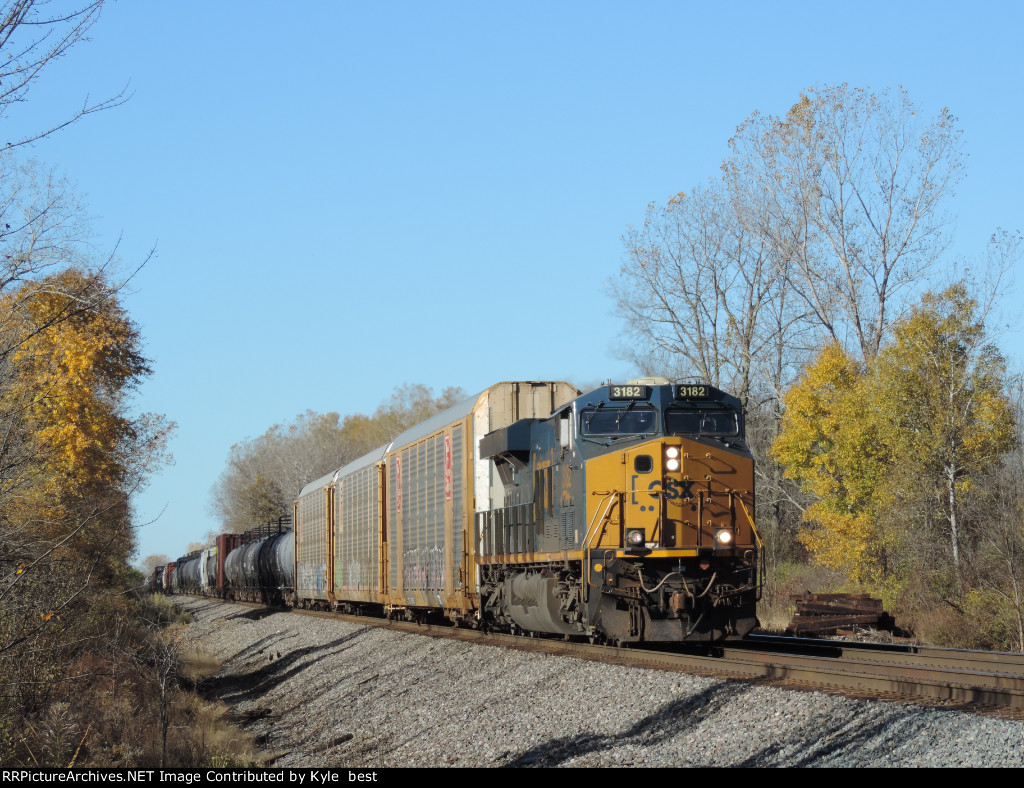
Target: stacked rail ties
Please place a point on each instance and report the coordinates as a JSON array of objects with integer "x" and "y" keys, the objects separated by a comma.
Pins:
[{"x": 830, "y": 614}]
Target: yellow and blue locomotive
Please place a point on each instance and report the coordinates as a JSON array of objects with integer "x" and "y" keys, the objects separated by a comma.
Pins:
[{"x": 627, "y": 517}]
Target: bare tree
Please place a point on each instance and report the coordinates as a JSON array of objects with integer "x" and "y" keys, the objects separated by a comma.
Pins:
[
  {"x": 695, "y": 290},
  {"x": 33, "y": 35},
  {"x": 265, "y": 474},
  {"x": 151, "y": 562},
  {"x": 852, "y": 185}
]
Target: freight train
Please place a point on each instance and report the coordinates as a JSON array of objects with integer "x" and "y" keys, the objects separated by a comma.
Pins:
[{"x": 622, "y": 515}]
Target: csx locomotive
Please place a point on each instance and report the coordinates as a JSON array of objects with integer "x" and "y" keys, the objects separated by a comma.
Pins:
[{"x": 622, "y": 515}]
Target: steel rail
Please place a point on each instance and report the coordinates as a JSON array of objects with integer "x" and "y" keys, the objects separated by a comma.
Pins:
[{"x": 982, "y": 661}]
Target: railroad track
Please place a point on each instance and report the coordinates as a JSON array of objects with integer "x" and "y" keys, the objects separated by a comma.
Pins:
[{"x": 970, "y": 679}]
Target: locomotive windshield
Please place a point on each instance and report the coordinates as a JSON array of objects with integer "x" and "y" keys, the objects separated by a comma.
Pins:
[
  {"x": 700, "y": 422},
  {"x": 630, "y": 420}
]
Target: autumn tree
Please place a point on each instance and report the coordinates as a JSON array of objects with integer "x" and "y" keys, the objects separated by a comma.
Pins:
[
  {"x": 944, "y": 384},
  {"x": 71, "y": 457},
  {"x": 72, "y": 449},
  {"x": 149, "y": 564},
  {"x": 833, "y": 444}
]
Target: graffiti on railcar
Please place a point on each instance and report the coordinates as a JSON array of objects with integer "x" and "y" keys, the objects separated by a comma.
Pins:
[
  {"x": 312, "y": 576},
  {"x": 423, "y": 568},
  {"x": 357, "y": 575}
]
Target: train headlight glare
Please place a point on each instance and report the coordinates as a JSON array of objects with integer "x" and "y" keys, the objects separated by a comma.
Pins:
[
  {"x": 724, "y": 538},
  {"x": 672, "y": 465},
  {"x": 671, "y": 452},
  {"x": 635, "y": 538}
]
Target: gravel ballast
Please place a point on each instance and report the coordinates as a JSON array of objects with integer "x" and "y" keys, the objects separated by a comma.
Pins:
[{"x": 319, "y": 692}]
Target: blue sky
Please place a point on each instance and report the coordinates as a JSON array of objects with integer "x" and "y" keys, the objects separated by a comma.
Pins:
[{"x": 345, "y": 197}]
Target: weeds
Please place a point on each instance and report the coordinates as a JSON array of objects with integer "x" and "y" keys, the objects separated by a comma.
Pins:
[{"x": 126, "y": 700}]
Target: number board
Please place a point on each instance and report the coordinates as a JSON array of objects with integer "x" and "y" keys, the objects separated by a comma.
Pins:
[
  {"x": 629, "y": 392},
  {"x": 696, "y": 391}
]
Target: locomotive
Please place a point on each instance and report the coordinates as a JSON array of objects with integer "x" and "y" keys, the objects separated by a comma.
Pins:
[{"x": 622, "y": 515}]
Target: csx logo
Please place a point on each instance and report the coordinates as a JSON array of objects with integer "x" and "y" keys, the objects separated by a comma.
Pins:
[{"x": 671, "y": 490}]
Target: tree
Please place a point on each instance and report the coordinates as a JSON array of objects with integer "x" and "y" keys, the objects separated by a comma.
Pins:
[
  {"x": 34, "y": 34},
  {"x": 832, "y": 443},
  {"x": 1000, "y": 564},
  {"x": 696, "y": 288},
  {"x": 888, "y": 448},
  {"x": 943, "y": 386},
  {"x": 849, "y": 189},
  {"x": 70, "y": 457},
  {"x": 151, "y": 562},
  {"x": 265, "y": 474}
]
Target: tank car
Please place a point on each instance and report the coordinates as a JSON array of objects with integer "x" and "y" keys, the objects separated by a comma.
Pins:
[
  {"x": 261, "y": 565},
  {"x": 208, "y": 570},
  {"x": 187, "y": 579}
]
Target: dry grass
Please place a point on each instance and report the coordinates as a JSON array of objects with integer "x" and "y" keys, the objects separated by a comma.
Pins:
[
  {"x": 197, "y": 665},
  {"x": 775, "y": 617},
  {"x": 777, "y": 607},
  {"x": 109, "y": 716}
]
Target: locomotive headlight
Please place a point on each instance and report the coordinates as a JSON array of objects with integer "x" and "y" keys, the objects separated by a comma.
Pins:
[
  {"x": 672, "y": 458},
  {"x": 672, "y": 465},
  {"x": 723, "y": 538},
  {"x": 635, "y": 538},
  {"x": 671, "y": 452}
]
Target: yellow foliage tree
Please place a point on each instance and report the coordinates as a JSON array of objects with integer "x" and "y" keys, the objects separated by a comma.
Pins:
[
  {"x": 66, "y": 481},
  {"x": 79, "y": 361},
  {"x": 887, "y": 448},
  {"x": 942, "y": 387},
  {"x": 71, "y": 454},
  {"x": 832, "y": 443}
]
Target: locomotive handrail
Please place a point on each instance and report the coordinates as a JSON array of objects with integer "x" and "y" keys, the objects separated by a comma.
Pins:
[
  {"x": 590, "y": 529},
  {"x": 610, "y": 498},
  {"x": 760, "y": 546}
]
